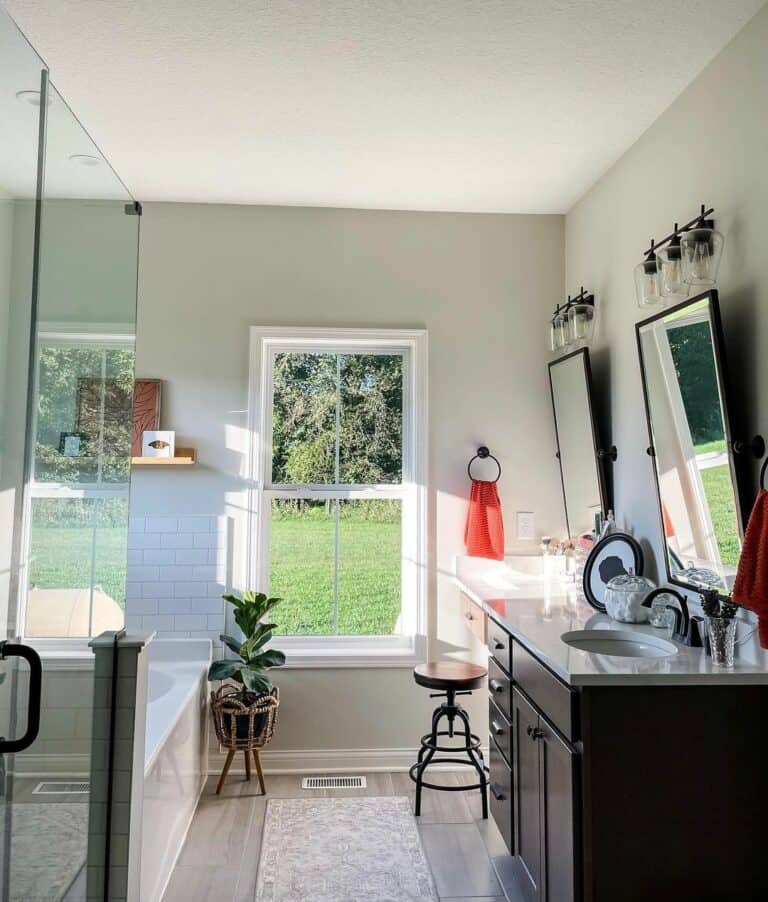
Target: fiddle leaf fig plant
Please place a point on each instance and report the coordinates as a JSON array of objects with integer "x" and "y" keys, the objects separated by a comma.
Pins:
[{"x": 253, "y": 661}]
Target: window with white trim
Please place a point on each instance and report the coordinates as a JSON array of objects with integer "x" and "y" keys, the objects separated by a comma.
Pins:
[
  {"x": 338, "y": 425},
  {"x": 76, "y": 518}
]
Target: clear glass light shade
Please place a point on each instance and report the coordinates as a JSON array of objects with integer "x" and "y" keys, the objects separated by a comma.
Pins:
[
  {"x": 558, "y": 332},
  {"x": 669, "y": 262},
  {"x": 702, "y": 248},
  {"x": 648, "y": 285},
  {"x": 581, "y": 322}
]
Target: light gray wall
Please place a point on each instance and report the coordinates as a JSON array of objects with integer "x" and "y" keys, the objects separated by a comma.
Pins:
[
  {"x": 481, "y": 285},
  {"x": 708, "y": 147}
]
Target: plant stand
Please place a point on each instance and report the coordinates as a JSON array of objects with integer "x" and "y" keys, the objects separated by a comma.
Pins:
[{"x": 246, "y": 728}]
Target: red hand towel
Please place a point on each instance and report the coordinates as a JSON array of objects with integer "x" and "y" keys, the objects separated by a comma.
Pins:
[
  {"x": 751, "y": 585},
  {"x": 484, "y": 532}
]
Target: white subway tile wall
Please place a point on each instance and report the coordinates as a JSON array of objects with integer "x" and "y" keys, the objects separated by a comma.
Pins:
[{"x": 176, "y": 576}]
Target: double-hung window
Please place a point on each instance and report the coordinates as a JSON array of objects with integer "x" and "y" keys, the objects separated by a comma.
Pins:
[
  {"x": 338, "y": 462},
  {"x": 77, "y": 500}
]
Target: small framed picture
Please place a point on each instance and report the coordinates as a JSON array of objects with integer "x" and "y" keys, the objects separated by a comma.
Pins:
[
  {"x": 72, "y": 444},
  {"x": 158, "y": 443},
  {"x": 616, "y": 554}
]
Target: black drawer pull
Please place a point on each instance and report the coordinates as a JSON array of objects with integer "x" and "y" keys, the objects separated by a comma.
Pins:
[
  {"x": 496, "y": 728},
  {"x": 496, "y": 685},
  {"x": 534, "y": 732},
  {"x": 497, "y": 793},
  {"x": 469, "y": 615},
  {"x": 498, "y": 644}
]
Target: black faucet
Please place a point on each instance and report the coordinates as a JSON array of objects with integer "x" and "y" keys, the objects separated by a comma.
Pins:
[{"x": 686, "y": 630}]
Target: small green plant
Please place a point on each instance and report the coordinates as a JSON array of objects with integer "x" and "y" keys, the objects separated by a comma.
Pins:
[{"x": 254, "y": 661}]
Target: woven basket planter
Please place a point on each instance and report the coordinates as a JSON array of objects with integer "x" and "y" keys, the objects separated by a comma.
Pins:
[{"x": 240, "y": 726}]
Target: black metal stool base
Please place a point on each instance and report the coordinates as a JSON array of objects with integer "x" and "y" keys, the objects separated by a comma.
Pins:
[{"x": 473, "y": 757}]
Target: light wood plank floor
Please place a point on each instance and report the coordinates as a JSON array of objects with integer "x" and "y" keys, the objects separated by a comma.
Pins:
[{"x": 220, "y": 858}]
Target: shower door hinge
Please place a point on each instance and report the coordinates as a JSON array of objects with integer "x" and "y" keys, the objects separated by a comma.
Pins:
[{"x": 133, "y": 209}]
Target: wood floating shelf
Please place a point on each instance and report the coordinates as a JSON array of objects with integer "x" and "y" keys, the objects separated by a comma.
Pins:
[{"x": 184, "y": 457}]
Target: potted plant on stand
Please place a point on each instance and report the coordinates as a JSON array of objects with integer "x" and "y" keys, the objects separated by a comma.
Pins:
[{"x": 245, "y": 706}]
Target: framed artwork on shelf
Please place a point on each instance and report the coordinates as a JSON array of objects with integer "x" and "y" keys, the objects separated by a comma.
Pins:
[{"x": 147, "y": 397}]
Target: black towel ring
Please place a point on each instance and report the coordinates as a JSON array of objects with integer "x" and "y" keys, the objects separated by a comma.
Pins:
[
  {"x": 762, "y": 473},
  {"x": 482, "y": 453}
]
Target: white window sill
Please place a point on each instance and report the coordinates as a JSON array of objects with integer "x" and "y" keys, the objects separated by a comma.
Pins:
[{"x": 372, "y": 652}]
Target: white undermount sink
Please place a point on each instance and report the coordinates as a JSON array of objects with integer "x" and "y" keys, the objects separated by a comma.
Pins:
[{"x": 623, "y": 643}]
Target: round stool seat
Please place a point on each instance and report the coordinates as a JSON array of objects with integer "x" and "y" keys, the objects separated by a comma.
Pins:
[{"x": 444, "y": 675}]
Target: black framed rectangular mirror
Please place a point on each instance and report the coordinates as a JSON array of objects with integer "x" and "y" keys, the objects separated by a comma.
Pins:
[
  {"x": 684, "y": 383},
  {"x": 578, "y": 447}
]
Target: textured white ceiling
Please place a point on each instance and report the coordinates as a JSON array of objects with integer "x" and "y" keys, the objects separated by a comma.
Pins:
[{"x": 478, "y": 105}]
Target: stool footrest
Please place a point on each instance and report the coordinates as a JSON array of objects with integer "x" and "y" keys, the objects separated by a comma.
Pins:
[
  {"x": 441, "y": 787},
  {"x": 474, "y": 743}
]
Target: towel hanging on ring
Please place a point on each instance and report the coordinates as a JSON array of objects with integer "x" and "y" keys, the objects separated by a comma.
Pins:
[{"x": 484, "y": 530}]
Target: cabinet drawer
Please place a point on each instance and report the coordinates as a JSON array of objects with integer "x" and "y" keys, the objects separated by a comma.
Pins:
[
  {"x": 500, "y": 645},
  {"x": 499, "y": 688},
  {"x": 554, "y": 698},
  {"x": 474, "y": 617},
  {"x": 500, "y": 729},
  {"x": 500, "y": 794}
]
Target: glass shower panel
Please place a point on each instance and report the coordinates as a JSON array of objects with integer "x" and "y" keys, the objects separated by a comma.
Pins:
[
  {"x": 21, "y": 74},
  {"x": 76, "y": 514}
]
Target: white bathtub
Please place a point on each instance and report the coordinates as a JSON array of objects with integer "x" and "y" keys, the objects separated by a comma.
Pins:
[{"x": 176, "y": 754}]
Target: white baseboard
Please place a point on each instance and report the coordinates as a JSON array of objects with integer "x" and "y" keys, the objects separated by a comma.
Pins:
[
  {"x": 38, "y": 765},
  {"x": 327, "y": 761}
]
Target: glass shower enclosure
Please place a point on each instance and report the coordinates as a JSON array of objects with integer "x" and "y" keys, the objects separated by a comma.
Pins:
[{"x": 69, "y": 233}]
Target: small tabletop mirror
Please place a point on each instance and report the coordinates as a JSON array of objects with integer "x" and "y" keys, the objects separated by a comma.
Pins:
[
  {"x": 681, "y": 360},
  {"x": 581, "y": 471}
]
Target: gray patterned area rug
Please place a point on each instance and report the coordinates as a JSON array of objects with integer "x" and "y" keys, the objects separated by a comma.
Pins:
[
  {"x": 343, "y": 850},
  {"x": 48, "y": 847}
]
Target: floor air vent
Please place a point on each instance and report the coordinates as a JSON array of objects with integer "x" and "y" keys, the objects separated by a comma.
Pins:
[
  {"x": 334, "y": 783},
  {"x": 51, "y": 788}
]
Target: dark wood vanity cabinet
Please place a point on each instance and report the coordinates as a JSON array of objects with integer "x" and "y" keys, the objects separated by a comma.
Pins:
[
  {"x": 617, "y": 793},
  {"x": 545, "y": 774}
]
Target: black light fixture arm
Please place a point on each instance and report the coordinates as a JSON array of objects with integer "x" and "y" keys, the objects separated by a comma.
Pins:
[
  {"x": 703, "y": 215},
  {"x": 583, "y": 297}
]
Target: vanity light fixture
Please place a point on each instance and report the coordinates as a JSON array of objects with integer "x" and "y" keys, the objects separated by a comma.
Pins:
[
  {"x": 648, "y": 281},
  {"x": 669, "y": 260},
  {"x": 689, "y": 256},
  {"x": 702, "y": 248},
  {"x": 558, "y": 329},
  {"x": 573, "y": 323},
  {"x": 581, "y": 317}
]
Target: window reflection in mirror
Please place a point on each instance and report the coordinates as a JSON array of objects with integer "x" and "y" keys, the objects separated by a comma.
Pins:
[
  {"x": 583, "y": 490},
  {"x": 681, "y": 359}
]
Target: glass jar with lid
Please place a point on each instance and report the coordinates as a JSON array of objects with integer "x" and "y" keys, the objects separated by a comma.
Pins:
[{"x": 624, "y": 597}]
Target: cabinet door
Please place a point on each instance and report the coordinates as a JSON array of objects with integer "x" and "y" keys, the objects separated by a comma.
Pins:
[
  {"x": 558, "y": 782},
  {"x": 528, "y": 838},
  {"x": 501, "y": 793}
]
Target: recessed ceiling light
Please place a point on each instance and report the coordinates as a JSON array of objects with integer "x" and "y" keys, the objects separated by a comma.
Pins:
[
  {"x": 84, "y": 159},
  {"x": 32, "y": 98}
]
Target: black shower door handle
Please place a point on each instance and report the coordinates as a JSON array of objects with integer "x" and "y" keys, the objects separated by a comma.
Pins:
[{"x": 17, "y": 650}]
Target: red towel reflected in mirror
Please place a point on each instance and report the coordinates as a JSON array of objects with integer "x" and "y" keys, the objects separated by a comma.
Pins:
[{"x": 750, "y": 588}]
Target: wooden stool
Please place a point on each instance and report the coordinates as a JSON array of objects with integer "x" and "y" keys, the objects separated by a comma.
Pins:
[{"x": 450, "y": 678}]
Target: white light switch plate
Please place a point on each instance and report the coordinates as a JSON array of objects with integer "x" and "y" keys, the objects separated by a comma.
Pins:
[{"x": 525, "y": 526}]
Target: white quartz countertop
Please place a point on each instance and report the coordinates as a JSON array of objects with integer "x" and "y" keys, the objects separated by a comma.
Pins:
[{"x": 538, "y": 610}]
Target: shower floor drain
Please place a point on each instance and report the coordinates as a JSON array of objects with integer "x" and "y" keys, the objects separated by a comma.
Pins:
[
  {"x": 51, "y": 788},
  {"x": 334, "y": 783}
]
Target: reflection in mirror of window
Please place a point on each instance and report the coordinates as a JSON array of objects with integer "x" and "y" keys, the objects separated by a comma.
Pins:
[{"x": 681, "y": 355}]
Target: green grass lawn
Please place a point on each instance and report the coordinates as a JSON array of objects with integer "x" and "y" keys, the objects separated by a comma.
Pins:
[
  {"x": 719, "y": 492},
  {"x": 708, "y": 447},
  {"x": 302, "y": 561},
  {"x": 61, "y": 558}
]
